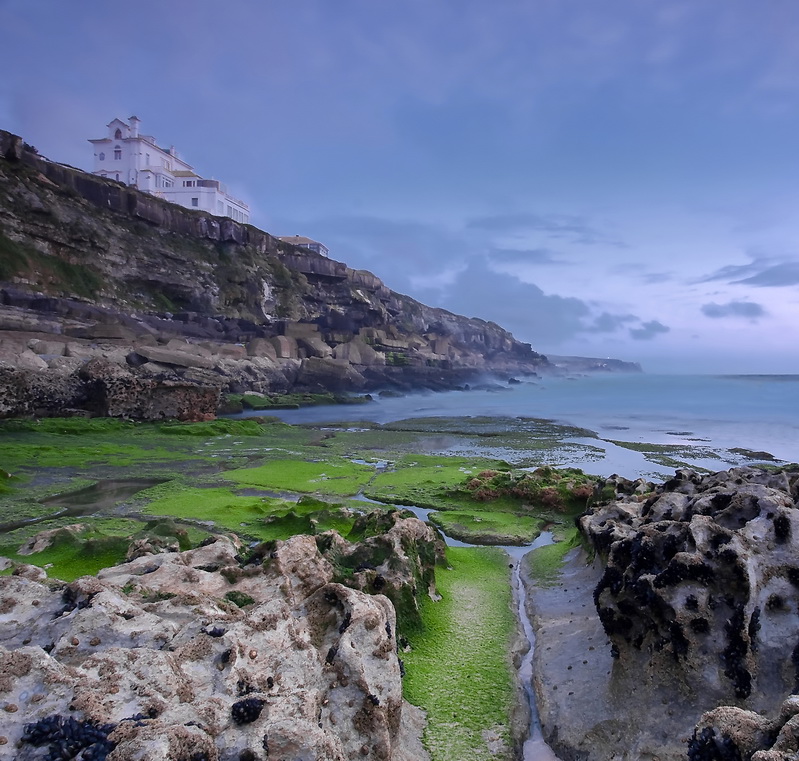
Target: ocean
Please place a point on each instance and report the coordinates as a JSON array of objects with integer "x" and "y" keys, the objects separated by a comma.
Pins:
[{"x": 642, "y": 423}]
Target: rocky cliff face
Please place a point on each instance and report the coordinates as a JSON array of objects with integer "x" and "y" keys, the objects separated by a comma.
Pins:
[
  {"x": 91, "y": 266},
  {"x": 211, "y": 655}
]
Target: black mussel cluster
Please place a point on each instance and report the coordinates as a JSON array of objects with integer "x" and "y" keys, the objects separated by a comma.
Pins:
[
  {"x": 247, "y": 710},
  {"x": 67, "y": 737}
]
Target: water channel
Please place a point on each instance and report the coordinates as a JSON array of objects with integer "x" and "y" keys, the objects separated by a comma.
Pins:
[{"x": 535, "y": 747}]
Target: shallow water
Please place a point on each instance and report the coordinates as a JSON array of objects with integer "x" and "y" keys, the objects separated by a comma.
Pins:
[
  {"x": 759, "y": 413},
  {"x": 92, "y": 499},
  {"x": 535, "y": 747}
]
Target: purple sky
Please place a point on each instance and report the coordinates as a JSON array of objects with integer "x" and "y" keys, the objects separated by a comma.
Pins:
[{"x": 607, "y": 179}]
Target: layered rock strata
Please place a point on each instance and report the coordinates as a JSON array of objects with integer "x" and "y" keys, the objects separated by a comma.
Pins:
[
  {"x": 154, "y": 659},
  {"x": 96, "y": 268}
]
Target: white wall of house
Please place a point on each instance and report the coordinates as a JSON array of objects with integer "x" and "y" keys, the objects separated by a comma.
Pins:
[{"x": 135, "y": 159}]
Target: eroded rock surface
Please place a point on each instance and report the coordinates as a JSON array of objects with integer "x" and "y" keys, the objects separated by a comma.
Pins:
[
  {"x": 703, "y": 576},
  {"x": 691, "y": 602},
  {"x": 154, "y": 659}
]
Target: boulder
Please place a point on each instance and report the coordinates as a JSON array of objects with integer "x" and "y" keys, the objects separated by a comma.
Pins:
[
  {"x": 317, "y": 374},
  {"x": 314, "y": 346},
  {"x": 695, "y": 588},
  {"x": 285, "y": 347},
  {"x": 28, "y": 360},
  {"x": 168, "y": 356},
  {"x": 51, "y": 348},
  {"x": 155, "y": 654},
  {"x": 261, "y": 347}
]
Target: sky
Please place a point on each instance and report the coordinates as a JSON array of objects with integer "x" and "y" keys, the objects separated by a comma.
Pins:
[{"x": 615, "y": 178}]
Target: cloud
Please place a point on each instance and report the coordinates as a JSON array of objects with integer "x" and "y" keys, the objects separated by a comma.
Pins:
[
  {"x": 735, "y": 309},
  {"x": 609, "y": 323},
  {"x": 648, "y": 330},
  {"x": 761, "y": 272},
  {"x": 564, "y": 226},
  {"x": 526, "y": 256}
]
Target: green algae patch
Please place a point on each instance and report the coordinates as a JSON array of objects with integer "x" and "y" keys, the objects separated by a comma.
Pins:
[
  {"x": 333, "y": 476},
  {"x": 291, "y": 401},
  {"x": 92, "y": 546},
  {"x": 262, "y": 518},
  {"x": 223, "y": 427},
  {"x": 425, "y": 480},
  {"x": 544, "y": 563},
  {"x": 566, "y": 490},
  {"x": 483, "y": 527},
  {"x": 458, "y": 668}
]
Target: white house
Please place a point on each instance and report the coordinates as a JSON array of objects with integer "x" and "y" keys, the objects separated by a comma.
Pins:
[{"x": 135, "y": 159}]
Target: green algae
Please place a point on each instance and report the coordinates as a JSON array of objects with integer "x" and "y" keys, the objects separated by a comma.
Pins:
[
  {"x": 262, "y": 518},
  {"x": 101, "y": 543},
  {"x": 458, "y": 669},
  {"x": 424, "y": 480},
  {"x": 488, "y": 527},
  {"x": 331, "y": 476}
]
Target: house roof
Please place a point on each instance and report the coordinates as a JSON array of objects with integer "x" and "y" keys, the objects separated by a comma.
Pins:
[{"x": 300, "y": 240}]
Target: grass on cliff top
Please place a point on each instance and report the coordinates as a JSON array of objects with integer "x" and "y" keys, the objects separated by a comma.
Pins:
[{"x": 459, "y": 669}]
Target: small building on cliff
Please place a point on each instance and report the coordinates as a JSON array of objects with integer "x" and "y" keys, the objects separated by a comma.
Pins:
[
  {"x": 135, "y": 159},
  {"x": 301, "y": 240}
]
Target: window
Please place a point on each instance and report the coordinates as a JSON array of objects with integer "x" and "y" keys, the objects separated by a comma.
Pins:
[
  {"x": 147, "y": 155},
  {"x": 220, "y": 207},
  {"x": 188, "y": 183},
  {"x": 118, "y": 134},
  {"x": 101, "y": 156},
  {"x": 117, "y": 153},
  {"x": 195, "y": 201},
  {"x": 117, "y": 176}
]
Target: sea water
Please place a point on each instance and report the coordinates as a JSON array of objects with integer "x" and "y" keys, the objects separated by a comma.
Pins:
[{"x": 725, "y": 412}]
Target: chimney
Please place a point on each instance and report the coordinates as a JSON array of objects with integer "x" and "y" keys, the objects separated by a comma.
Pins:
[{"x": 134, "y": 126}]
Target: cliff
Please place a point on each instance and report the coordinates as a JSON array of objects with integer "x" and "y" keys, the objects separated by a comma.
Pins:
[{"x": 93, "y": 262}]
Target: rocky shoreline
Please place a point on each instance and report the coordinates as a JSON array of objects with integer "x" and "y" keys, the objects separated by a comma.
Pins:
[{"x": 683, "y": 621}]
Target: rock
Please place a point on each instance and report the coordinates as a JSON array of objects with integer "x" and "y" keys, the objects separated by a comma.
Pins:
[
  {"x": 171, "y": 357},
  {"x": 44, "y": 539},
  {"x": 314, "y": 346},
  {"x": 32, "y": 572},
  {"x": 261, "y": 347},
  {"x": 152, "y": 650},
  {"x": 318, "y": 374},
  {"x": 28, "y": 360},
  {"x": 698, "y": 600},
  {"x": 51, "y": 348},
  {"x": 285, "y": 347}
]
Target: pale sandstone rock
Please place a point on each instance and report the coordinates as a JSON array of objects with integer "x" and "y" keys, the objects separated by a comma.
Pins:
[{"x": 318, "y": 659}]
